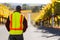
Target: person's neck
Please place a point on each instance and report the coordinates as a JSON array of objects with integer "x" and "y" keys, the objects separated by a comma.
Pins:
[{"x": 18, "y": 11}]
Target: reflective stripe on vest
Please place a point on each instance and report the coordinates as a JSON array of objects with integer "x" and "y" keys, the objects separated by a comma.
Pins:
[{"x": 16, "y": 23}]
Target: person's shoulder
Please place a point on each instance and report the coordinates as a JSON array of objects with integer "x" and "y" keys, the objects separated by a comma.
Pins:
[
  {"x": 22, "y": 15},
  {"x": 10, "y": 15}
]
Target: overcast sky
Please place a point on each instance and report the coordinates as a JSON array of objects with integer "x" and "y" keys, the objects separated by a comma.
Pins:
[
  {"x": 26, "y": 1},
  {"x": 29, "y": 2}
]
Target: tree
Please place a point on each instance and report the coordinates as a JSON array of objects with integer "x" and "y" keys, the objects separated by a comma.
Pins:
[
  {"x": 35, "y": 9},
  {"x": 24, "y": 6}
]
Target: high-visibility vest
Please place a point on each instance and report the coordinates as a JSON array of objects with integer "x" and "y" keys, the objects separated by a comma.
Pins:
[{"x": 16, "y": 23}]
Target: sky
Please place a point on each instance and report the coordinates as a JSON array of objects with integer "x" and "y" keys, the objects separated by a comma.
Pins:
[{"x": 27, "y": 1}]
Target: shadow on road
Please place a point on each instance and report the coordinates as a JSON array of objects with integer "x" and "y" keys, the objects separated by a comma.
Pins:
[{"x": 56, "y": 32}]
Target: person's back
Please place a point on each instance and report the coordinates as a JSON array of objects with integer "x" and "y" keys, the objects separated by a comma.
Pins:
[{"x": 16, "y": 25}]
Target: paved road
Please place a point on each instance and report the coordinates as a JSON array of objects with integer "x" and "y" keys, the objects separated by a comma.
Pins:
[
  {"x": 34, "y": 34},
  {"x": 31, "y": 34},
  {"x": 3, "y": 33}
]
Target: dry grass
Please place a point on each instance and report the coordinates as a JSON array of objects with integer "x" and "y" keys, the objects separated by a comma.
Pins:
[{"x": 33, "y": 15}]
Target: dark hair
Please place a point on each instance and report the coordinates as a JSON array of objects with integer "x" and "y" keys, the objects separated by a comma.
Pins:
[{"x": 18, "y": 8}]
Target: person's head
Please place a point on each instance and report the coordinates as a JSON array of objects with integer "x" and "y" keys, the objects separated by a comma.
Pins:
[{"x": 18, "y": 8}]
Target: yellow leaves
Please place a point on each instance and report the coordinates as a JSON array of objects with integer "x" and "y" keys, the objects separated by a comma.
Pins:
[
  {"x": 4, "y": 10},
  {"x": 52, "y": 10},
  {"x": 53, "y": 0},
  {"x": 58, "y": 17},
  {"x": 43, "y": 12}
]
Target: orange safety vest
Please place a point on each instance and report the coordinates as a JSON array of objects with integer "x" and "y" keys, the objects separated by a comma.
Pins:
[{"x": 15, "y": 30}]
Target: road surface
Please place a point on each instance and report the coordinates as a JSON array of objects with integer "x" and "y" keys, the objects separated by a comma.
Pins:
[{"x": 31, "y": 34}]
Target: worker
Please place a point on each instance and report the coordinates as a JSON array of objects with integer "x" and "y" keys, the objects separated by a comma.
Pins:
[{"x": 16, "y": 25}]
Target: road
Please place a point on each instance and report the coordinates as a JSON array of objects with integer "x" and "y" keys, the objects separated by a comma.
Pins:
[{"x": 31, "y": 33}]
